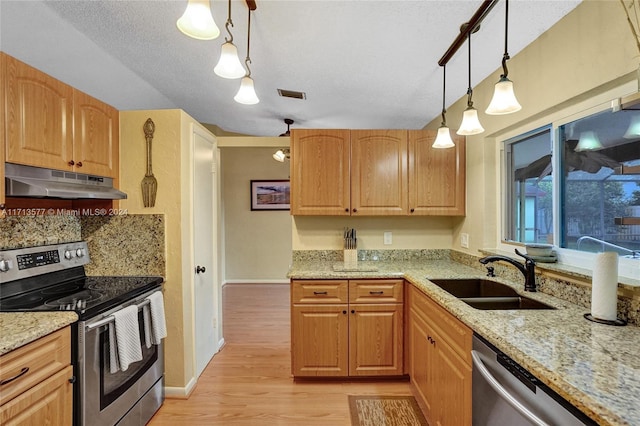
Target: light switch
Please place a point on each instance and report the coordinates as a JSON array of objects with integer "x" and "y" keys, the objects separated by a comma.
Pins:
[{"x": 388, "y": 238}]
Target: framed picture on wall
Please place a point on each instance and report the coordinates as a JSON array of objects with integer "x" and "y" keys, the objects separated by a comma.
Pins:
[{"x": 270, "y": 195}]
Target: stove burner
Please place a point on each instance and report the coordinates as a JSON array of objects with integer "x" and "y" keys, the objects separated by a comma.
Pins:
[
  {"x": 79, "y": 299},
  {"x": 22, "y": 302},
  {"x": 66, "y": 288}
]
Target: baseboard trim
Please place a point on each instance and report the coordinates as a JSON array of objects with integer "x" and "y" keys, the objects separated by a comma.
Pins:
[
  {"x": 255, "y": 282},
  {"x": 173, "y": 392}
]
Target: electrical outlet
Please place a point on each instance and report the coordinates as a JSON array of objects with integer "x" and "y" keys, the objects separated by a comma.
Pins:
[
  {"x": 464, "y": 240},
  {"x": 388, "y": 238}
]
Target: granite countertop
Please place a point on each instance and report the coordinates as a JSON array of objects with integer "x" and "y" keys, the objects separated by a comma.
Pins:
[
  {"x": 595, "y": 367},
  {"x": 19, "y": 328}
]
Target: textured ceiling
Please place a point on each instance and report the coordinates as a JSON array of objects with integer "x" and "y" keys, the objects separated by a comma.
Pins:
[{"x": 361, "y": 63}]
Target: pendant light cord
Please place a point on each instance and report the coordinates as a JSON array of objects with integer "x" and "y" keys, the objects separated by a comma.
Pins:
[
  {"x": 444, "y": 87},
  {"x": 505, "y": 57},
  {"x": 247, "y": 61},
  {"x": 226, "y": 25},
  {"x": 469, "y": 89}
]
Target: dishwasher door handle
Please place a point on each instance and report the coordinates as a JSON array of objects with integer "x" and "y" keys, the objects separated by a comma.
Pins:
[{"x": 504, "y": 394}]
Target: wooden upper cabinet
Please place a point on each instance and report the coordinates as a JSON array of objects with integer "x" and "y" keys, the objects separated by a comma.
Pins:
[
  {"x": 3, "y": 135},
  {"x": 38, "y": 117},
  {"x": 437, "y": 178},
  {"x": 379, "y": 172},
  {"x": 96, "y": 135},
  {"x": 320, "y": 175},
  {"x": 50, "y": 124}
]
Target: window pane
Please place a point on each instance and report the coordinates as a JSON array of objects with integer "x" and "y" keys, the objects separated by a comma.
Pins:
[
  {"x": 592, "y": 194},
  {"x": 530, "y": 188}
]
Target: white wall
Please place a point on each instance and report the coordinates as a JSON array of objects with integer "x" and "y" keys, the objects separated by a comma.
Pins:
[{"x": 257, "y": 244}]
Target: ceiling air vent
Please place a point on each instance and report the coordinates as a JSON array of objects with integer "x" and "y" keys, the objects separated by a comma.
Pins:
[{"x": 292, "y": 94}]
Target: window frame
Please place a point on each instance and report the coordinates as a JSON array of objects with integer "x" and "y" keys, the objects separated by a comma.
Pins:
[{"x": 595, "y": 101}]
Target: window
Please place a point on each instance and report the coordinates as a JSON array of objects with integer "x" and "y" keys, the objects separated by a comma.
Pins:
[
  {"x": 594, "y": 190},
  {"x": 529, "y": 190},
  {"x": 598, "y": 189}
]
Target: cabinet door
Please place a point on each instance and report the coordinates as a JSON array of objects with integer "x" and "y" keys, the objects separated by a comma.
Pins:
[
  {"x": 421, "y": 360},
  {"x": 96, "y": 135},
  {"x": 452, "y": 384},
  {"x": 320, "y": 181},
  {"x": 437, "y": 177},
  {"x": 379, "y": 172},
  {"x": 38, "y": 117},
  {"x": 375, "y": 340},
  {"x": 49, "y": 402},
  {"x": 319, "y": 340},
  {"x": 3, "y": 138}
]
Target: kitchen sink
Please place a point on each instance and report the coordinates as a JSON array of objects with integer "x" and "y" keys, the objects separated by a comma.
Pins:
[{"x": 484, "y": 294}]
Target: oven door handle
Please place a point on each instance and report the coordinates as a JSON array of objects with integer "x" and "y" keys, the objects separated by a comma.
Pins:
[
  {"x": 502, "y": 392},
  {"x": 111, "y": 318}
]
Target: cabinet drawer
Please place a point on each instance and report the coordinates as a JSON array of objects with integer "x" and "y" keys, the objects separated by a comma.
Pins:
[
  {"x": 319, "y": 291},
  {"x": 455, "y": 333},
  {"x": 378, "y": 291},
  {"x": 43, "y": 358}
]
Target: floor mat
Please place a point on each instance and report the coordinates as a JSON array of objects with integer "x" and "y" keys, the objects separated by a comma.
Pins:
[{"x": 374, "y": 410}]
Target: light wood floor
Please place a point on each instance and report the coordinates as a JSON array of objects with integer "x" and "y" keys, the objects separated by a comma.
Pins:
[{"x": 249, "y": 381}]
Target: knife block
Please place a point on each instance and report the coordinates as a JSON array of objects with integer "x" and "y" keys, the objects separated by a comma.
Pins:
[{"x": 350, "y": 258}]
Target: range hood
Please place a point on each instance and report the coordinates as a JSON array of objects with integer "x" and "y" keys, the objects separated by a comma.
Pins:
[{"x": 36, "y": 182}]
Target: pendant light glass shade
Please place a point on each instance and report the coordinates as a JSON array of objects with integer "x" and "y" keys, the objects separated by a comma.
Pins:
[
  {"x": 443, "y": 140},
  {"x": 246, "y": 94},
  {"x": 470, "y": 124},
  {"x": 633, "y": 131},
  {"x": 588, "y": 142},
  {"x": 229, "y": 65},
  {"x": 504, "y": 99},
  {"x": 197, "y": 21}
]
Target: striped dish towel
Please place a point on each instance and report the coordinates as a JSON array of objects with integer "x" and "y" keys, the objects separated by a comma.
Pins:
[{"x": 127, "y": 337}]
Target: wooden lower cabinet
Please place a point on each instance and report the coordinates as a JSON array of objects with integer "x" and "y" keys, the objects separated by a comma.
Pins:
[
  {"x": 38, "y": 382},
  {"x": 439, "y": 361},
  {"x": 343, "y": 339}
]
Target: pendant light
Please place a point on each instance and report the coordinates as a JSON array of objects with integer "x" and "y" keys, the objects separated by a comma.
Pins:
[
  {"x": 588, "y": 141},
  {"x": 443, "y": 140},
  {"x": 229, "y": 65},
  {"x": 504, "y": 99},
  {"x": 633, "y": 131},
  {"x": 247, "y": 93},
  {"x": 197, "y": 21},
  {"x": 470, "y": 124}
]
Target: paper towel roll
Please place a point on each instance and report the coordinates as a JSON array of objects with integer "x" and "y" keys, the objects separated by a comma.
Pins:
[{"x": 604, "y": 286}]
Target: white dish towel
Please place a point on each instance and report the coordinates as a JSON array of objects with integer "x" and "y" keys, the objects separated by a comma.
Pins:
[
  {"x": 155, "y": 326},
  {"x": 125, "y": 341}
]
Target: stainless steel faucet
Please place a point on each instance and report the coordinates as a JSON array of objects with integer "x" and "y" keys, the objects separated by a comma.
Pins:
[{"x": 527, "y": 269}]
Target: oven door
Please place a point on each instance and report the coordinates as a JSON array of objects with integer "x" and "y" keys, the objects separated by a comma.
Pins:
[{"x": 105, "y": 398}]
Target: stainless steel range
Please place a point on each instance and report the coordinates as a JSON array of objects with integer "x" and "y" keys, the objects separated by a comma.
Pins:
[{"x": 52, "y": 277}]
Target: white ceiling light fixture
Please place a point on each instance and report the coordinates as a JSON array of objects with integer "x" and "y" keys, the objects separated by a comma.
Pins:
[
  {"x": 470, "y": 123},
  {"x": 282, "y": 154},
  {"x": 443, "y": 140},
  {"x": 247, "y": 93},
  {"x": 197, "y": 21},
  {"x": 229, "y": 65},
  {"x": 588, "y": 141},
  {"x": 504, "y": 99}
]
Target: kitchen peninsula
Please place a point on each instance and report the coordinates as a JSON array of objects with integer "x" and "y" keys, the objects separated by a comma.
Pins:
[{"x": 593, "y": 366}]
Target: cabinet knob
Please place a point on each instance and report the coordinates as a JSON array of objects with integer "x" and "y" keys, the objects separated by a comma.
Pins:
[
  {"x": 353, "y": 311},
  {"x": 71, "y": 163},
  {"x": 346, "y": 210},
  {"x": 344, "y": 312},
  {"x": 355, "y": 210},
  {"x": 72, "y": 379},
  {"x": 412, "y": 210},
  {"x": 79, "y": 164}
]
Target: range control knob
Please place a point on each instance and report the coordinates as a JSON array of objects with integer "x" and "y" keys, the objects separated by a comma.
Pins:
[
  {"x": 80, "y": 252},
  {"x": 68, "y": 254},
  {"x": 5, "y": 265}
]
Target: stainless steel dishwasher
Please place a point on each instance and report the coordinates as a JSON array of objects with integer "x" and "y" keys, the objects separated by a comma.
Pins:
[{"x": 505, "y": 394}]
